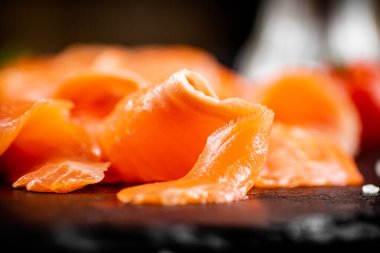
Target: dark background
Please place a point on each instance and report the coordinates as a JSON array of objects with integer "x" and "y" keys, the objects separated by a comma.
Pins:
[{"x": 220, "y": 27}]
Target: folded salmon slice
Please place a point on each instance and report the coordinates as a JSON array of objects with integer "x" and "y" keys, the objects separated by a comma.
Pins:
[
  {"x": 297, "y": 157},
  {"x": 225, "y": 170},
  {"x": 157, "y": 134},
  {"x": 35, "y": 135}
]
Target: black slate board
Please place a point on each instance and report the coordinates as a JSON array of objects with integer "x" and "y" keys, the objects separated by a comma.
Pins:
[{"x": 92, "y": 220}]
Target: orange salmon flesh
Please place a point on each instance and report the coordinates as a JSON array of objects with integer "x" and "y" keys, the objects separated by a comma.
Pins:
[{"x": 174, "y": 122}]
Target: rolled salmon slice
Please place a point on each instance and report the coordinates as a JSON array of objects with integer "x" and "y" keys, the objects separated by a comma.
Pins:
[
  {"x": 36, "y": 134},
  {"x": 297, "y": 157},
  {"x": 157, "y": 134},
  {"x": 225, "y": 170}
]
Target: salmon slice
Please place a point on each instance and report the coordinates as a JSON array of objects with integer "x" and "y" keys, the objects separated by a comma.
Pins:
[
  {"x": 118, "y": 106},
  {"x": 96, "y": 93},
  {"x": 34, "y": 134},
  {"x": 14, "y": 115},
  {"x": 297, "y": 157},
  {"x": 11, "y": 121},
  {"x": 157, "y": 134},
  {"x": 316, "y": 132},
  {"x": 62, "y": 176},
  {"x": 313, "y": 100},
  {"x": 36, "y": 77},
  {"x": 225, "y": 170},
  {"x": 144, "y": 60},
  {"x": 22, "y": 79}
]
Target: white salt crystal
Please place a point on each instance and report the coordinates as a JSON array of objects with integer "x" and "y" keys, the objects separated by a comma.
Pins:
[{"x": 370, "y": 190}]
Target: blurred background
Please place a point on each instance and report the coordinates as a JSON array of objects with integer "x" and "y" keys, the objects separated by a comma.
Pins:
[
  {"x": 251, "y": 36},
  {"x": 220, "y": 27}
]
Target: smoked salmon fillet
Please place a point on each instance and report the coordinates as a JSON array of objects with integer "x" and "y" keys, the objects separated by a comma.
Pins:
[{"x": 174, "y": 118}]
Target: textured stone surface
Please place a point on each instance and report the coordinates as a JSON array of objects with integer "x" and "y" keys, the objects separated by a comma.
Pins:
[{"x": 93, "y": 220}]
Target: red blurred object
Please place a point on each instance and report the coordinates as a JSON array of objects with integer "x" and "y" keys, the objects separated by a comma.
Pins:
[{"x": 362, "y": 80}]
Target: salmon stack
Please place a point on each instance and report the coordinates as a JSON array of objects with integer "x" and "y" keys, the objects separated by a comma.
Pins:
[{"x": 173, "y": 120}]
